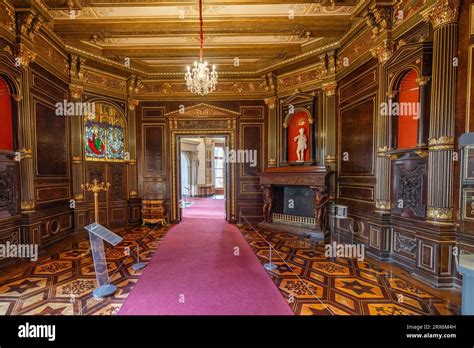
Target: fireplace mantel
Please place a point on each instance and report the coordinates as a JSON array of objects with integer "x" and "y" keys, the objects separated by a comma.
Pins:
[
  {"x": 315, "y": 178},
  {"x": 296, "y": 176}
]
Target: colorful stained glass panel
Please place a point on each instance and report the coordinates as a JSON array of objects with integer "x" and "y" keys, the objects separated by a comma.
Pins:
[
  {"x": 115, "y": 145},
  {"x": 94, "y": 140}
]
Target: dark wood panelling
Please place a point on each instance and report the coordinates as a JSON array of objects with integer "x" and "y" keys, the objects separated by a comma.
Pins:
[
  {"x": 117, "y": 176},
  {"x": 357, "y": 192},
  {"x": 48, "y": 194},
  {"x": 357, "y": 138},
  {"x": 153, "y": 150},
  {"x": 51, "y": 141}
]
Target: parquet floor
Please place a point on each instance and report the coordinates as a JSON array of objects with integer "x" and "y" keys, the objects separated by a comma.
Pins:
[
  {"x": 62, "y": 283},
  {"x": 316, "y": 285}
]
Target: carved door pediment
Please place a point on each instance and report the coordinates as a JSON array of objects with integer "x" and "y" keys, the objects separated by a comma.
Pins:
[{"x": 202, "y": 110}]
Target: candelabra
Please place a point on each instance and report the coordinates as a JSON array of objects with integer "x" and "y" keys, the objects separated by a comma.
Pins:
[{"x": 95, "y": 188}]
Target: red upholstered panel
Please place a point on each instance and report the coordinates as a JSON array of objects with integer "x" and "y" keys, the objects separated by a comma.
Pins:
[
  {"x": 6, "y": 133},
  {"x": 408, "y": 115},
  {"x": 297, "y": 121}
]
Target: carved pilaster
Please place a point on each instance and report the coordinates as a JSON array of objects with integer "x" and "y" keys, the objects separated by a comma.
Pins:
[
  {"x": 75, "y": 92},
  {"x": 443, "y": 15},
  {"x": 329, "y": 88},
  {"x": 132, "y": 104},
  {"x": 442, "y": 12},
  {"x": 23, "y": 56}
]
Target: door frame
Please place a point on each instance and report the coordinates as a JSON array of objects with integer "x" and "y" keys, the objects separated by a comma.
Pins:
[{"x": 176, "y": 135}]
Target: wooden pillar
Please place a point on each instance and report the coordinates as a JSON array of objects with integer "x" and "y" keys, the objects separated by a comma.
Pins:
[
  {"x": 329, "y": 133},
  {"x": 443, "y": 15},
  {"x": 382, "y": 140}
]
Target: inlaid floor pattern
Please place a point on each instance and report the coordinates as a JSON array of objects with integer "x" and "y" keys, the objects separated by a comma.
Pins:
[
  {"x": 62, "y": 284},
  {"x": 316, "y": 285}
]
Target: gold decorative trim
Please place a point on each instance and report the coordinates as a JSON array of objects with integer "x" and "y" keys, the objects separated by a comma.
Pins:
[
  {"x": 330, "y": 88},
  {"x": 439, "y": 213},
  {"x": 421, "y": 153},
  {"x": 24, "y": 56},
  {"x": 382, "y": 205},
  {"x": 383, "y": 52},
  {"x": 132, "y": 104},
  {"x": 202, "y": 110},
  {"x": 270, "y": 102},
  {"x": 27, "y": 205},
  {"x": 442, "y": 12},
  {"x": 133, "y": 193},
  {"x": 79, "y": 197},
  {"x": 423, "y": 80},
  {"x": 75, "y": 91},
  {"x": 381, "y": 151},
  {"x": 441, "y": 143},
  {"x": 330, "y": 159},
  {"x": 25, "y": 153}
]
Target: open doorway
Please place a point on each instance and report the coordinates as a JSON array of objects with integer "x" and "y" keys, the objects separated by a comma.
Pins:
[{"x": 202, "y": 176}]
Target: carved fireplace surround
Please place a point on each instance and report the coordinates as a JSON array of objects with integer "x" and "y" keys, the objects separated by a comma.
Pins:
[{"x": 295, "y": 199}]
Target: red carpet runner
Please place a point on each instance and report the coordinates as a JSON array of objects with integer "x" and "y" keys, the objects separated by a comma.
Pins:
[{"x": 195, "y": 272}]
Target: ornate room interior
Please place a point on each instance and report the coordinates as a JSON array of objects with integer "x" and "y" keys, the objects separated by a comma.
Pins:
[{"x": 294, "y": 97}]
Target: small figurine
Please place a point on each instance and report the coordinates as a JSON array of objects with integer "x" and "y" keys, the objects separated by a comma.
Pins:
[
  {"x": 301, "y": 147},
  {"x": 267, "y": 203}
]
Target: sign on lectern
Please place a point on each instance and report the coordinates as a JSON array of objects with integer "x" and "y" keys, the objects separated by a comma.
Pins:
[{"x": 97, "y": 235}]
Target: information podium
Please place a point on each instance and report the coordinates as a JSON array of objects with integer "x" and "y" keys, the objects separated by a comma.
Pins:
[
  {"x": 97, "y": 235},
  {"x": 465, "y": 266}
]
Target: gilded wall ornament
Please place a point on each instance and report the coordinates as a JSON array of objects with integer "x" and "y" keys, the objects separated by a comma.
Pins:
[
  {"x": 24, "y": 56},
  {"x": 439, "y": 213},
  {"x": 383, "y": 52},
  {"x": 441, "y": 143},
  {"x": 75, "y": 91},
  {"x": 382, "y": 204},
  {"x": 329, "y": 88},
  {"x": 27, "y": 205},
  {"x": 442, "y": 12},
  {"x": 270, "y": 102}
]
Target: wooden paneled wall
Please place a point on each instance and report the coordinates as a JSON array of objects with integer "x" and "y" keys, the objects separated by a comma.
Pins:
[
  {"x": 154, "y": 150},
  {"x": 356, "y": 115}
]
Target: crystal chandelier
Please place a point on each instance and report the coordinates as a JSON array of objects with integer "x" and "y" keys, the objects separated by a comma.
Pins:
[{"x": 200, "y": 79}]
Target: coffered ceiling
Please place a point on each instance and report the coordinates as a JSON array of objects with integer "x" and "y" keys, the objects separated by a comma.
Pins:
[{"x": 163, "y": 36}]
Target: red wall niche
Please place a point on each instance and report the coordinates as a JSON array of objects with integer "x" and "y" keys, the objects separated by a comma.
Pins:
[
  {"x": 298, "y": 120},
  {"x": 408, "y": 119},
  {"x": 6, "y": 132}
]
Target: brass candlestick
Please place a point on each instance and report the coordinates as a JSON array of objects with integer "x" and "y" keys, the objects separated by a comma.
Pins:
[{"x": 95, "y": 188}]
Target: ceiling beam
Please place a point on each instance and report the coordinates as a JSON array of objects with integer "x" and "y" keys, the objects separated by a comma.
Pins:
[
  {"x": 242, "y": 51},
  {"x": 318, "y": 26}
]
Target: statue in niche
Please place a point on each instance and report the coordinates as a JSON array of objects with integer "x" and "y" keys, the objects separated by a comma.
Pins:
[
  {"x": 267, "y": 203},
  {"x": 301, "y": 145},
  {"x": 321, "y": 199}
]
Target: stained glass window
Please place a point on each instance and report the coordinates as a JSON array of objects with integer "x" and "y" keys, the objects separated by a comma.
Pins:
[{"x": 104, "y": 134}]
